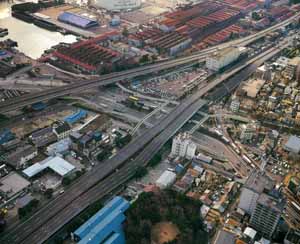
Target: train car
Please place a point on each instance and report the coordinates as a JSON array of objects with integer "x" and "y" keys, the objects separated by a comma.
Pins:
[
  {"x": 133, "y": 98},
  {"x": 225, "y": 139},
  {"x": 218, "y": 132},
  {"x": 247, "y": 159},
  {"x": 235, "y": 148}
]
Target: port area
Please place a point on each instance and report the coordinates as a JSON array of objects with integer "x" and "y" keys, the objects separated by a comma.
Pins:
[{"x": 48, "y": 18}]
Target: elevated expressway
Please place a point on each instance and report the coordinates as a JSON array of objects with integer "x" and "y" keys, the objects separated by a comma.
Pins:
[
  {"x": 108, "y": 79},
  {"x": 116, "y": 171}
]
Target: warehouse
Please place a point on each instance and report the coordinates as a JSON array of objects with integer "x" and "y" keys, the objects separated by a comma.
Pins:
[
  {"x": 166, "y": 179},
  {"x": 73, "y": 118},
  {"x": 114, "y": 5},
  {"x": 56, "y": 164},
  {"x": 223, "y": 58},
  {"x": 77, "y": 20}
]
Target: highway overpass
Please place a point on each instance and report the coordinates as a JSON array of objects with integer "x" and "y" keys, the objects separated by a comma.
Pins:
[
  {"x": 105, "y": 178},
  {"x": 20, "y": 102}
]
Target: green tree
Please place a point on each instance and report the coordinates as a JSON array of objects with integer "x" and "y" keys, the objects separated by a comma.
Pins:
[
  {"x": 145, "y": 59},
  {"x": 66, "y": 181},
  {"x": 256, "y": 16},
  {"x": 48, "y": 193},
  {"x": 140, "y": 172}
]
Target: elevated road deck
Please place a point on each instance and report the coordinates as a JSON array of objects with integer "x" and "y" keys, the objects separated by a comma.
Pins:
[{"x": 26, "y": 100}]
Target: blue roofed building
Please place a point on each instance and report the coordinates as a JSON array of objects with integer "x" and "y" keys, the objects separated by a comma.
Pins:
[
  {"x": 6, "y": 135},
  {"x": 77, "y": 20},
  {"x": 105, "y": 226},
  {"x": 76, "y": 117}
]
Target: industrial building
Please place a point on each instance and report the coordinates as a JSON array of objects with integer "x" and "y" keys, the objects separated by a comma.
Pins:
[
  {"x": 182, "y": 146},
  {"x": 56, "y": 164},
  {"x": 223, "y": 58},
  {"x": 113, "y": 5},
  {"x": 89, "y": 56},
  {"x": 73, "y": 118},
  {"x": 77, "y": 20},
  {"x": 105, "y": 226}
]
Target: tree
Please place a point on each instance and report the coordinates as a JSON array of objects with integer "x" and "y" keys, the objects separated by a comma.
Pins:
[
  {"x": 155, "y": 160},
  {"x": 48, "y": 193},
  {"x": 145, "y": 58},
  {"x": 140, "y": 172},
  {"x": 66, "y": 181},
  {"x": 256, "y": 16}
]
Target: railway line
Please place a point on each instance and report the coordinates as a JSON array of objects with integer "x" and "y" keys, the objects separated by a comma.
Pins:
[{"x": 106, "y": 176}]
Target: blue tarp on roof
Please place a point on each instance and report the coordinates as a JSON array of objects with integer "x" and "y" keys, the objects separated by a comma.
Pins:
[{"x": 77, "y": 20}]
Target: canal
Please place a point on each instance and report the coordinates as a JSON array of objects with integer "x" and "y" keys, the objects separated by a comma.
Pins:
[{"x": 32, "y": 40}]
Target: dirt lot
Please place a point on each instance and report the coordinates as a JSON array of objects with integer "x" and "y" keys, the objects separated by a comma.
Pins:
[{"x": 164, "y": 232}]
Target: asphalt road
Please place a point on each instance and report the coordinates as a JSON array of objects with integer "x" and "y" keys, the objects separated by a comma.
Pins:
[
  {"x": 82, "y": 193},
  {"x": 119, "y": 76}
]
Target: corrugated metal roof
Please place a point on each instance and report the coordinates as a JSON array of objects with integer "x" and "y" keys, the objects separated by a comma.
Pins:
[
  {"x": 77, "y": 20},
  {"x": 57, "y": 164},
  {"x": 110, "y": 215}
]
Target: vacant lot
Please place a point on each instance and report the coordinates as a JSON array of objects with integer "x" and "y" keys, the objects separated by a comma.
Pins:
[{"x": 164, "y": 232}]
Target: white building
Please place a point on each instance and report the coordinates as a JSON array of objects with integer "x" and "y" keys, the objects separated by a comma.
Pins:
[
  {"x": 235, "y": 105},
  {"x": 223, "y": 58},
  {"x": 59, "y": 147},
  {"x": 248, "y": 131},
  {"x": 166, "y": 179},
  {"x": 118, "y": 4},
  {"x": 182, "y": 146},
  {"x": 56, "y": 164}
]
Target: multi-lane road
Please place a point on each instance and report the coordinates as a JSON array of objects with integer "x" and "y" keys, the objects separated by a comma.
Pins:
[
  {"x": 105, "y": 177},
  {"x": 26, "y": 100}
]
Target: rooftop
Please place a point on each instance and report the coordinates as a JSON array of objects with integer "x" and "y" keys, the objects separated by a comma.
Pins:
[
  {"x": 270, "y": 202},
  {"x": 293, "y": 144},
  {"x": 112, "y": 211},
  {"x": 225, "y": 237},
  {"x": 258, "y": 182},
  {"x": 77, "y": 20},
  {"x": 13, "y": 184},
  {"x": 57, "y": 164}
]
